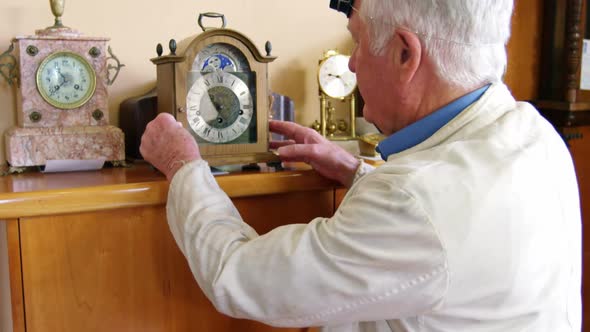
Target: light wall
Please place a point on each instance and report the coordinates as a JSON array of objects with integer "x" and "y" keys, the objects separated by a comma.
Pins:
[{"x": 300, "y": 31}]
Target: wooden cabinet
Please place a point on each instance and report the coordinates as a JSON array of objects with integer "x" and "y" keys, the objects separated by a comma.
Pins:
[
  {"x": 92, "y": 251},
  {"x": 580, "y": 150}
]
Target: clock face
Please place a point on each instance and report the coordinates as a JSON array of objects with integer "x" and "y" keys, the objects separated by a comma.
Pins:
[
  {"x": 220, "y": 108},
  {"x": 66, "y": 80},
  {"x": 335, "y": 79}
]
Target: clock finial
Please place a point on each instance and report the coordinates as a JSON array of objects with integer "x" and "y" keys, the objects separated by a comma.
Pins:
[
  {"x": 57, "y": 8},
  {"x": 58, "y": 29}
]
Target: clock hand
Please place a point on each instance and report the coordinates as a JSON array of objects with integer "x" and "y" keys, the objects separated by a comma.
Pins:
[
  {"x": 219, "y": 107},
  {"x": 209, "y": 108},
  {"x": 60, "y": 74},
  {"x": 63, "y": 77},
  {"x": 55, "y": 88}
]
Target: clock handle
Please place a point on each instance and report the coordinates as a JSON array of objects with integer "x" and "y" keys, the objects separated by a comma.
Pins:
[
  {"x": 116, "y": 67},
  {"x": 8, "y": 61},
  {"x": 211, "y": 15}
]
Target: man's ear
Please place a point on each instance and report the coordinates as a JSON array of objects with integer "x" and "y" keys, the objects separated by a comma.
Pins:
[{"x": 408, "y": 54}]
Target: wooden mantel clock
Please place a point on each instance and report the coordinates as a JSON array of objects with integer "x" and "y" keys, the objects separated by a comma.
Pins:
[
  {"x": 564, "y": 92},
  {"x": 62, "y": 97},
  {"x": 218, "y": 89}
]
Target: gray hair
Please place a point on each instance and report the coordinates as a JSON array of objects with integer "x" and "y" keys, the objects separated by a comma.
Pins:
[{"x": 466, "y": 39}]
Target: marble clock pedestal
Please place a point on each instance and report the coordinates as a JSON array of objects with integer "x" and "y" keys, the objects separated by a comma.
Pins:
[{"x": 34, "y": 146}]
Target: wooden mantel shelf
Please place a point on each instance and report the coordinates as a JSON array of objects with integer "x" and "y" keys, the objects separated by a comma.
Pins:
[{"x": 38, "y": 194}]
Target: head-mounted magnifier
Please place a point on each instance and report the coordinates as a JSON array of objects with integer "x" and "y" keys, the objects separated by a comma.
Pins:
[{"x": 343, "y": 6}]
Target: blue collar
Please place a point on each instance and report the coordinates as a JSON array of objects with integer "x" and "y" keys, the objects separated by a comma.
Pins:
[{"x": 420, "y": 130}]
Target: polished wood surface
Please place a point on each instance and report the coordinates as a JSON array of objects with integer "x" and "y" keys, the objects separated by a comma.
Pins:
[
  {"x": 580, "y": 149},
  {"x": 16, "y": 282},
  {"x": 91, "y": 251},
  {"x": 121, "y": 270},
  {"x": 37, "y": 194},
  {"x": 339, "y": 196},
  {"x": 524, "y": 49}
]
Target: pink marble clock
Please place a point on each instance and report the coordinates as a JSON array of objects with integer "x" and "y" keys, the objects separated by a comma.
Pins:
[{"x": 62, "y": 99}]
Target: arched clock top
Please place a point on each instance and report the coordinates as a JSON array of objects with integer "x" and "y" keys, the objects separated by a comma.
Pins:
[
  {"x": 185, "y": 51},
  {"x": 258, "y": 56}
]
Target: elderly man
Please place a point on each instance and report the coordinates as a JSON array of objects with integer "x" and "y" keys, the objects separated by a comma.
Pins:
[{"x": 471, "y": 224}]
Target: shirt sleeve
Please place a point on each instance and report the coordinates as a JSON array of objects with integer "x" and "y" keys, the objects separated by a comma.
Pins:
[
  {"x": 362, "y": 170},
  {"x": 377, "y": 258}
]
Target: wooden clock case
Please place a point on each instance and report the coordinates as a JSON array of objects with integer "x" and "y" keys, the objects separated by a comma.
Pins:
[{"x": 172, "y": 89}]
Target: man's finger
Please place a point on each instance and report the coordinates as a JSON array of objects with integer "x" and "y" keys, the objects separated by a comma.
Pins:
[
  {"x": 296, "y": 132},
  {"x": 278, "y": 144},
  {"x": 293, "y": 152},
  {"x": 165, "y": 118},
  {"x": 283, "y": 128},
  {"x": 306, "y": 153}
]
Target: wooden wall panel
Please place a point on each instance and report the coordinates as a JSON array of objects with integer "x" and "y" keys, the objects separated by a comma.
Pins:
[
  {"x": 524, "y": 49},
  {"x": 580, "y": 149},
  {"x": 266, "y": 214},
  {"x": 16, "y": 282}
]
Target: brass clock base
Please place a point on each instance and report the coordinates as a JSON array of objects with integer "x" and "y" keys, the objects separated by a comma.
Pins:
[{"x": 34, "y": 146}]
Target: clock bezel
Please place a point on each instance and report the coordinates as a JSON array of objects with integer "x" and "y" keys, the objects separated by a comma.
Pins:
[{"x": 66, "y": 106}]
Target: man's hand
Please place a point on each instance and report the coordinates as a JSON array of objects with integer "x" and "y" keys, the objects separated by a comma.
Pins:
[
  {"x": 167, "y": 145},
  {"x": 307, "y": 145}
]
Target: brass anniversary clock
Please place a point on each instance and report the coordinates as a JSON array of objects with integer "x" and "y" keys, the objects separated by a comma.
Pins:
[
  {"x": 218, "y": 89},
  {"x": 337, "y": 87},
  {"x": 62, "y": 97}
]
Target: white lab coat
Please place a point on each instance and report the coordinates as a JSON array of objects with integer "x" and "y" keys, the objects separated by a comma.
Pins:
[{"x": 477, "y": 228}]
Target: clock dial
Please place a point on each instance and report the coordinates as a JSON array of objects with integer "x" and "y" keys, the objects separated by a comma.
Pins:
[
  {"x": 220, "y": 107},
  {"x": 335, "y": 79},
  {"x": 66, "y": 80}
]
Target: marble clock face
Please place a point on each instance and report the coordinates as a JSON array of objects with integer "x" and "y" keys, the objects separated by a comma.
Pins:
[
  {"x": 66, "y": 80},
  {"x": 220, "y": 108}
]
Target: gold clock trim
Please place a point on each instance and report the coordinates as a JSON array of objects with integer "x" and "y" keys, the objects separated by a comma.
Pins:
[{"x": 91, "y": 87}]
